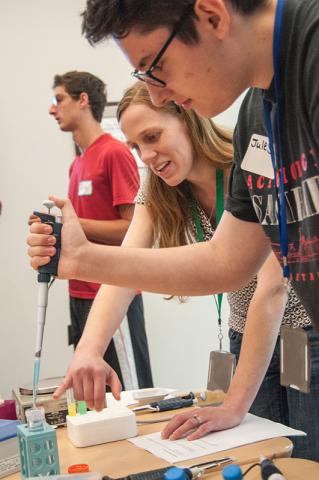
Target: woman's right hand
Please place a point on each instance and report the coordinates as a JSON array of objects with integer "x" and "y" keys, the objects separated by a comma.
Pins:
[
  {"x": 88, "y": 374},
  {"x": 198, "y": 422},
  {"x": 74, "y": 242}
]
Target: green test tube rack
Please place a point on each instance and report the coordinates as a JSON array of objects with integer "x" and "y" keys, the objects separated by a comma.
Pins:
[{"x": 38, "y": 446}]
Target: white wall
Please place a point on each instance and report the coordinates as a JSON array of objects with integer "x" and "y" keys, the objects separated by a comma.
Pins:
[{"x": 38, "y": 39}]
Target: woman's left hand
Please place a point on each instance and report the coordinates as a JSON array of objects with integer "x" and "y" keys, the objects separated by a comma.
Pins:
[{"x": 198, "y": 422}]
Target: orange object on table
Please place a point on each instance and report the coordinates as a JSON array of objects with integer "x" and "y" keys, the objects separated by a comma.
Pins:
[{"x": 78, "y": 468}]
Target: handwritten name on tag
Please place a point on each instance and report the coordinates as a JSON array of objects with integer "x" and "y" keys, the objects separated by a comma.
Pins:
[
  {"x": 85, "y": 188},
  {"x": 257, "y": 158}
]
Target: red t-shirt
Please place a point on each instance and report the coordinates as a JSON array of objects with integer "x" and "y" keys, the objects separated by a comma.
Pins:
[{"x": 104, "y": 177}]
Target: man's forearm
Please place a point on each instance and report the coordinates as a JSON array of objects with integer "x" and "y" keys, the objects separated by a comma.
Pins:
[
  {"x": 225, "y": 263},
  {"x": 108, "y": 310},
  {"x": 109, "y": 232}
]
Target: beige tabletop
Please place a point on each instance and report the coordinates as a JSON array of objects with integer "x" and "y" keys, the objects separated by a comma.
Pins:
[
  {"x": 118, "y": 459},
  {"x": 121, "y": 458},
  {"x": 291, "y": 468}
]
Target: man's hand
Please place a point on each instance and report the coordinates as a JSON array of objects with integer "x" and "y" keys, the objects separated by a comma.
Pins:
[
  {"x": 41, "y": 242},
  {"x": 87, "y": 375},
  {"x": 200, "y": 421},
  {"x": 33, "y": 219}
]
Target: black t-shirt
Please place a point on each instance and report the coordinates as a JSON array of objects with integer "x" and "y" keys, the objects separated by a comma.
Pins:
[{"x": 252, "y": 195}]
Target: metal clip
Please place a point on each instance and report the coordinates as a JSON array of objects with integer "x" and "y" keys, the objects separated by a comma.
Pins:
[{"x": 220, "y": 337}]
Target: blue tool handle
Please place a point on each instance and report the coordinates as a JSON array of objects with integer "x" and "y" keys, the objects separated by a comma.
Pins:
[{"x": 51, "y": 268}]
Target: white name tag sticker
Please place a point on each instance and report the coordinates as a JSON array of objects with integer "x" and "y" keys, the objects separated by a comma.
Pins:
[
  {"x": 257, "y": 158},
  {"x": 85, "y": 188}
]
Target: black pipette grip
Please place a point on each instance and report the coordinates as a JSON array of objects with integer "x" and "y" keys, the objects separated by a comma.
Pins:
[
  {"x": 172, "y": 404},
  {"x": 51, "y": 268}
]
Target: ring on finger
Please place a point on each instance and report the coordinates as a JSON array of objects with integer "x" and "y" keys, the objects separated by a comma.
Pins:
[{"x": 198, "y": 419}]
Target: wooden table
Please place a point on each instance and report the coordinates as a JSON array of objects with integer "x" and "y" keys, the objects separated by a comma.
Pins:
[
  {"x": 118, "y": 459},
  {"x": 291, "y": 468}
]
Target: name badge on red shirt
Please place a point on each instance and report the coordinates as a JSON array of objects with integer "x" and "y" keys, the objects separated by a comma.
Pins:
[{"x": 85, "y": 188}]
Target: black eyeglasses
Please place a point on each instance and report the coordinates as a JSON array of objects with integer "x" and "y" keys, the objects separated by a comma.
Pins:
[{"x": 148, "y": 76}]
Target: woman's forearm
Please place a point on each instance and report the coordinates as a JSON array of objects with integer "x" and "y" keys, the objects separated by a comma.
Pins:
[
  {"x": 263, "y": 322},
  {"x": 108, "y": 310}
]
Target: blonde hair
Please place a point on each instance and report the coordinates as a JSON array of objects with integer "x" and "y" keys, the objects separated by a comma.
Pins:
[{"x": 169, "y": 207}]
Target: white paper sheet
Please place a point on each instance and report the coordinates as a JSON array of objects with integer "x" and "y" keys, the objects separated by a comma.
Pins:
[{"x": 252, "y": 429}]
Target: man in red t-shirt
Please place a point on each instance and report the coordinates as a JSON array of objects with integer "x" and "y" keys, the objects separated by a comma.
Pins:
[{"x": 103, "y": 184}]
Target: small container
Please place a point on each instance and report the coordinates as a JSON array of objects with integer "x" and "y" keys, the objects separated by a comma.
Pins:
[
  {"x": 175, "y": 473},
  {"x": 81, "y": 407},
  {"x": 8, "y": 410},
  {"x": 35, "y": 419},
  {"x": 79, "y": 468},
  {"x": 38, "y": 446},
  {"x": 71, "y": 402},
  {"x": 232, "y": 472}
]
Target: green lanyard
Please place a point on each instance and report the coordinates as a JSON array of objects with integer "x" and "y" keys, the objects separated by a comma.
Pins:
[{"x": 200, "y": 237}]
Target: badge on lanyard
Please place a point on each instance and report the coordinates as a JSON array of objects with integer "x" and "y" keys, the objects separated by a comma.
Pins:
[
  {"x": 295, "y": 364},
  {"x": 221, "y": 363},
  {"x": 294, "y": 342},
  {"x": 221, "y": 369}
]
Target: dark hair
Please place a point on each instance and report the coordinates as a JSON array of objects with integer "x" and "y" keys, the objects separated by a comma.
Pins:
[
  {"x": 76, "y": 83},
  {"x": 104, "y": 18}
]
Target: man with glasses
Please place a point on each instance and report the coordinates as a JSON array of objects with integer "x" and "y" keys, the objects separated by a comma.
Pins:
[
  {"x": 103, "y": 183},
  {"x": 148, "y": 75},
  {"x": 203, "y": 54}
]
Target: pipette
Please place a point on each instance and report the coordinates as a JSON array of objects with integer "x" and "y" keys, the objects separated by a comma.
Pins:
[{"x": 45, "y": 276}]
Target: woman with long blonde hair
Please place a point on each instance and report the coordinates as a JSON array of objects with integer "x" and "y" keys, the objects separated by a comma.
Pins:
[{"x": 168, "y": 195}]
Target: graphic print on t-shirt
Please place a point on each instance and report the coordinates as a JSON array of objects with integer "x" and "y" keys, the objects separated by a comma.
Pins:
[
  {"x": 295, "y": 118},
  {"x": 302, "y": 203}
]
